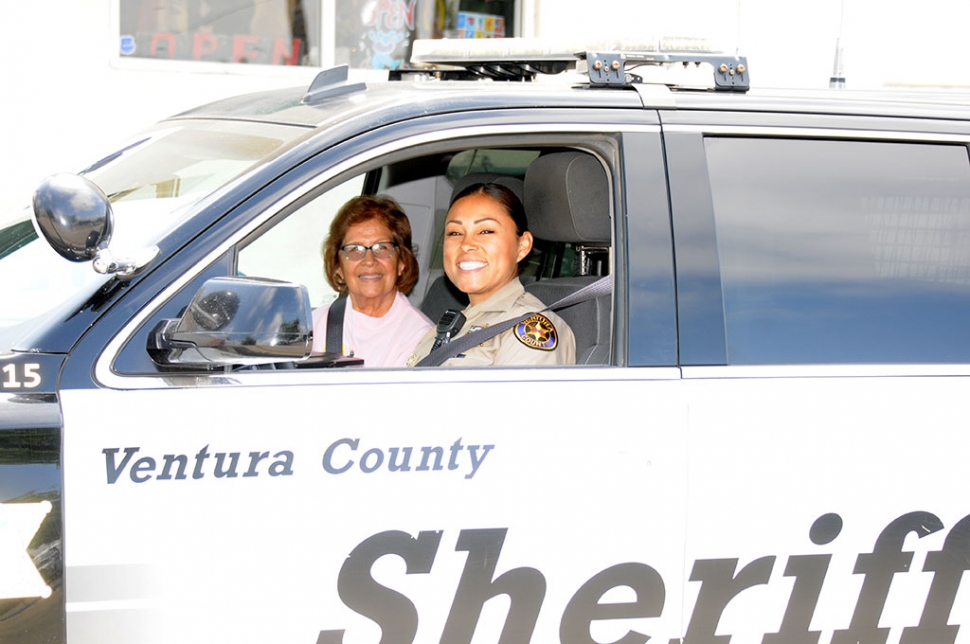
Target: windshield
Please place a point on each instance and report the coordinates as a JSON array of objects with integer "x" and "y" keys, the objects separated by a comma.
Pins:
[{"x": 152, "y": 183}]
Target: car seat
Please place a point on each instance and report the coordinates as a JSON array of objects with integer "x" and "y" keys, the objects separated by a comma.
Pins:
[{"x": 567, "y": 199}]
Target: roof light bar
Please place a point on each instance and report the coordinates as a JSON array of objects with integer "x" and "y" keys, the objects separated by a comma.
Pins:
[
  {"x": 608, "y": 62},
  {"x": 609, "y": 69},
  {"x": 500, "y": 58}
]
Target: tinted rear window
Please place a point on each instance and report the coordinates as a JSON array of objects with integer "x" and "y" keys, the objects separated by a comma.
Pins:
[{"x": 842, "y": 251}]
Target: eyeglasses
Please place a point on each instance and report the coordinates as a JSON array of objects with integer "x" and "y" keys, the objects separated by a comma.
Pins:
[{"x": 381, "y": 250}]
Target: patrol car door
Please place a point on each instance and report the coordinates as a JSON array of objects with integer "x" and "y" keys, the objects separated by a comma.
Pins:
[
  {"x": 823, "y": 309},
  {"x": 363, "y": 505}
]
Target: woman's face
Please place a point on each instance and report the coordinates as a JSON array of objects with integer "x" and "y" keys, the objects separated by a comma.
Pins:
[
  {"x": 482, "y": 250},
  {"x": 371, "y": 282}
]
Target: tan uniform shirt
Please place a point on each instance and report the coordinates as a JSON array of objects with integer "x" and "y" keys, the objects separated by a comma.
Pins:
[{"x": 545, "y": 340}]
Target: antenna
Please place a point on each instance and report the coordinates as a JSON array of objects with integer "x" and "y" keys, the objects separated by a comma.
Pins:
[
  {"x": 737, "y": 36},
  {"x": 837, "y": 80}
]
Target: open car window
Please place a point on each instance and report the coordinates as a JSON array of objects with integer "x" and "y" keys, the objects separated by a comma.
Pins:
[{"x": 289, "y": 247}]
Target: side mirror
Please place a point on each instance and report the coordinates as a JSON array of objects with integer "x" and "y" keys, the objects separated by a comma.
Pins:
[
  {"x": 74, "y": 216},
  {"x": 237, "y": 321}
]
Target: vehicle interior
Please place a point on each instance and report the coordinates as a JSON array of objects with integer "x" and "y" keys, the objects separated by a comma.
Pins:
[
  {"x": 566, "y": 197},
  {"x": 566, "y": 193}
]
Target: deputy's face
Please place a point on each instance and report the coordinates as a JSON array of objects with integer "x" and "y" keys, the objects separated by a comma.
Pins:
[{"x": 482, "y": 250}]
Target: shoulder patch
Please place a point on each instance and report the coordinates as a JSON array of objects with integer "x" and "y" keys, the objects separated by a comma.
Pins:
[{"x": 537, "y": 332}]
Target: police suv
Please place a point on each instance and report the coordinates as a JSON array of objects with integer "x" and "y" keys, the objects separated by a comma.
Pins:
[{"x": 764, "y": 440}]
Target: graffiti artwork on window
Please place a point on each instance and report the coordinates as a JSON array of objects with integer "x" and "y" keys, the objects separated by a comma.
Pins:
[{"x": 379, "y": 33}]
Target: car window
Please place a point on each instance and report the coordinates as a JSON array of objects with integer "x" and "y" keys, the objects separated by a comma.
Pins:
[
  {"x": 291, "y": 250},
  {"x": 842, "y": 251},
  {"x": 288, "y": 247}
]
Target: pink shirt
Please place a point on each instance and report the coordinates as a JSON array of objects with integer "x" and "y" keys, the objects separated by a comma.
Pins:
[{"x": 386, "y": 341}]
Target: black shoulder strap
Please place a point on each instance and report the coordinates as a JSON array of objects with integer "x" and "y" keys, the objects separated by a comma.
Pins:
[
  {"x": 436, "y": 358},
  {"x": 335, "y": 325}
]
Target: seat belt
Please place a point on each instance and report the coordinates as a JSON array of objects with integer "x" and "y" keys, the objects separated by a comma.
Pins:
[
  {"x": 602, "y": 286},
  {"x": 335, "y": 325}
]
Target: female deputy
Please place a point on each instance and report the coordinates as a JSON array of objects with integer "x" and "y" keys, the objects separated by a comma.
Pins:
[
  {"x": 368, "y": 255},
  {"x": 486, "y": 236}
]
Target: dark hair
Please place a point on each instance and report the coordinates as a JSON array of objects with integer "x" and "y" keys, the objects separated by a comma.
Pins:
[
  {"x": 357, "y": 211},
  {"x": 504, "y": 196}
]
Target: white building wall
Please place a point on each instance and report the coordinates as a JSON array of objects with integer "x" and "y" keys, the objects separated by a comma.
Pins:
[{"x": 66, "y": 98}]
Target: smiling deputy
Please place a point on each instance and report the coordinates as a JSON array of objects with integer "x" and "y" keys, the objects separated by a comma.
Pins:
[{"x": 486, "y": 237}]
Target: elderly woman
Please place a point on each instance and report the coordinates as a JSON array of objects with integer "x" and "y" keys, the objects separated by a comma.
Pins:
[
  {"x": 368, "y": 256},
  {"x": 486, "y": 238}
]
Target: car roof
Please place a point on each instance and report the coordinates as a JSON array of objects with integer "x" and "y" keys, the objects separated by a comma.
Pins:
[
  {"x": 881, "y": 103},
  {"x": 389, "y": 101},
  {"x": 404, "y": 98}
]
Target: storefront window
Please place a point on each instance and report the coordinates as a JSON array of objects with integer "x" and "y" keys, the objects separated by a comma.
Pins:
[
  {"x": 366, "y": 34},
  {"x": 267, "y": 32},
  {"x": 484, "y": 19},
  {"x": 377, "y": 34}
]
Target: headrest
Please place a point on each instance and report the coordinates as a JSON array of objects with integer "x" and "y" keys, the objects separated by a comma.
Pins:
[
  {"x": 512, "y": 183},
  {"x": 568, "y": 198}
]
